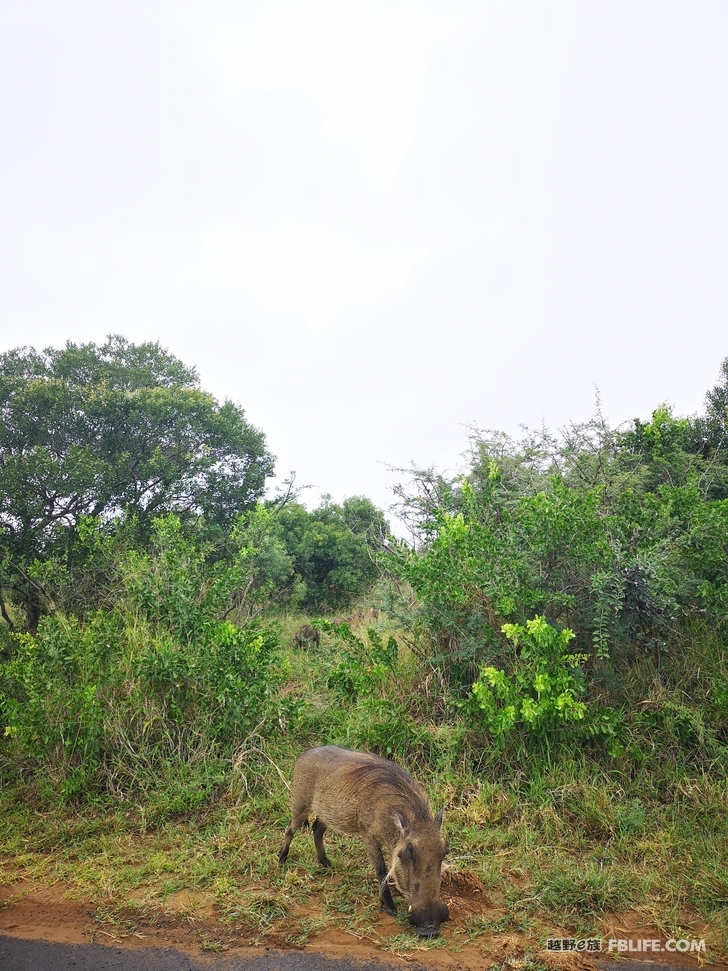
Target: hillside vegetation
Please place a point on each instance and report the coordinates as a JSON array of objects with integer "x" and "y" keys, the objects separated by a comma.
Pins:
[{"x": 546, "y": 654}]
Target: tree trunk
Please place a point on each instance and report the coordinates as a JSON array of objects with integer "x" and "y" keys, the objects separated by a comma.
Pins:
[
  {"x": 4, "y": 613},
  {"x": 32, "y": 611}
]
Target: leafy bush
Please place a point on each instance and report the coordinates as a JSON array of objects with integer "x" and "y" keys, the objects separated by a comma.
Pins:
[
  {"x": 54, "y": 691},
  {"x": 364, "y": 667},
  {"x": 618, "y": 535},
  {"x": 160, "y": 677},
  {"x": 222, "y": 682},
  {"x": 542, "y": 689}
]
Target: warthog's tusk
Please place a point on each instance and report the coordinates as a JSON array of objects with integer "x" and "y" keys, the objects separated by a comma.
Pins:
[{"x": 409, "y": 909}]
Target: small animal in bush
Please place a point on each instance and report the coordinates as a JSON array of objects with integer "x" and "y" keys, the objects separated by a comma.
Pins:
[
  {"x": 356, "y": 792},
  {"x": 307, "y": 635}
]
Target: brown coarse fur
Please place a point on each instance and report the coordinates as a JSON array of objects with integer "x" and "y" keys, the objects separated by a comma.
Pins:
[
  {"x": 361, "y": 793},
  {"x": 306, "y": 635}
]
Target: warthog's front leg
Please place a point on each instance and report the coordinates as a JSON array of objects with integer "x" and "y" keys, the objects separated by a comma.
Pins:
[{"x": 380, "y": 868}]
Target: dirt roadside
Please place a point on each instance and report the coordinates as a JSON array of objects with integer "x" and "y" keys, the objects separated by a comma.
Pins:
[{"x": 48, "y": 914}]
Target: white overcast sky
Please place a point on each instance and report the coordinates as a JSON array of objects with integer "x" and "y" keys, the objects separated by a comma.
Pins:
[{"x": 374, "y": 223}]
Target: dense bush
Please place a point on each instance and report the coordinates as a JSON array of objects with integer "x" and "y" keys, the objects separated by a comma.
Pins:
[
  {"x": 619, "y": 535},
  {"x": 331, "y": 550},
  {"x": 160, "y": 678},
  {"x": 614, "y": 534}
]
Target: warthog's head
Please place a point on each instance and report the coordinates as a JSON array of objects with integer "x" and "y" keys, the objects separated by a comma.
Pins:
[{"x": 416, "y": 871}]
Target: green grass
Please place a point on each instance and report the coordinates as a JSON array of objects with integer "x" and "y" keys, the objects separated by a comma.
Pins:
[
  {"x": 559, "y": 848},
  {"x": 540, "y": 871}
]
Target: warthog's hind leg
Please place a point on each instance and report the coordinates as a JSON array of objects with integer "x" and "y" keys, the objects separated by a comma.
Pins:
[
  {"x": 299, "y": 819},
  {"x": 319, "y": 829},
  {"x": 286, "y": 845}
]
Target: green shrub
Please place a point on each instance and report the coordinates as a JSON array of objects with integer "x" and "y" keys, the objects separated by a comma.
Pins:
[
  {"x": 331, "y": 550},
  {"x": 159, "y": 681},
  {"x": 541, "y": 692},
  {"x": 54, "y": 690},
  {"x": 363, "y": 667}
]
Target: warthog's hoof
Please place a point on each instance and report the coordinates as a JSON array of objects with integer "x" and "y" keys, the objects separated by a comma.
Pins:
[{"x": 388, "y": 904}]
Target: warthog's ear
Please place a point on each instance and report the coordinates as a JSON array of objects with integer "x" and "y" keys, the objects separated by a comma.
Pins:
[
  {"x": 402, "y": 825},
  {"x": 439, "y": 818}
]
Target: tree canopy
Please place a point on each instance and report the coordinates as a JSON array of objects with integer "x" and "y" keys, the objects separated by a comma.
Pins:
[{"x": 108, "y": 430}]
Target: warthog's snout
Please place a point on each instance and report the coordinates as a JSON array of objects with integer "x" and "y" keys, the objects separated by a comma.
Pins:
[{"x": 428, "y": 925}]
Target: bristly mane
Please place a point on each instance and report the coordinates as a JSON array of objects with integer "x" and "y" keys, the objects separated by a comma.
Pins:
[{"x": 406, "y": 793}]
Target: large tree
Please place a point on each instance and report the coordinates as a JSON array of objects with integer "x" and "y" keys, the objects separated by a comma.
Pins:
[{"x": 109, "y": 430}]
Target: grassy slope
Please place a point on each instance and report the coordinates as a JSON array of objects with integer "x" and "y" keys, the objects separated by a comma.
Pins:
[{"x": 566, "y": 849}]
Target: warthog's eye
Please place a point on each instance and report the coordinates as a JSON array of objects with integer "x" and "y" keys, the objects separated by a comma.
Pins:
[{"x": 410, "y": 853}]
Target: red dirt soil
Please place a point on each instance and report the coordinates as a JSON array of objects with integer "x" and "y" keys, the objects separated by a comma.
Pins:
[{"x": 33, "y": 913}]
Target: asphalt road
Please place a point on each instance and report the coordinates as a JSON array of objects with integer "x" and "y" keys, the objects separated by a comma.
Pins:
[
  {"x": 21, "y": 955},
  {"x": 17, "y": 954}
]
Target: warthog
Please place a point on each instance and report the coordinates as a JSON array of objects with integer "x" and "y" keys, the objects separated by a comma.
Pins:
[
  {"x": 306, "y": 635},
  {"x": 356, "y": 792}
]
